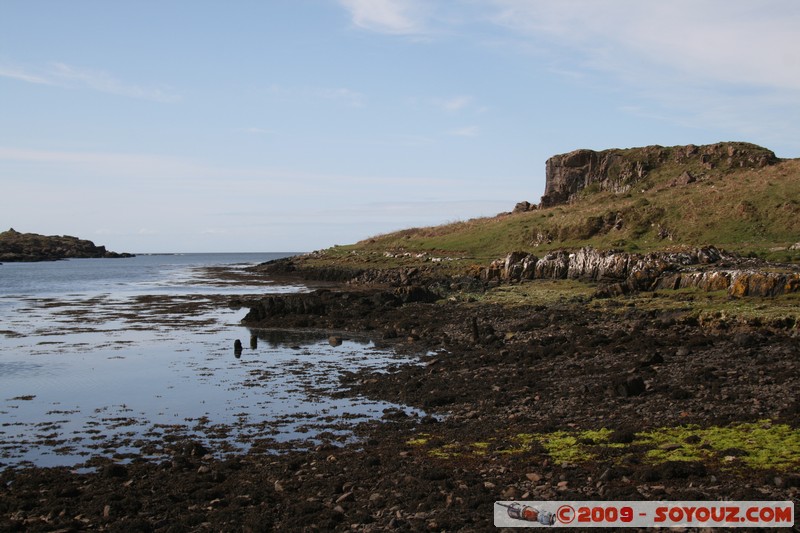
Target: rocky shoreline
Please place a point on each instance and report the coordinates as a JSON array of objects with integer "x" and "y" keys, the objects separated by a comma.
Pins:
[{"x": 630, "y": 396}]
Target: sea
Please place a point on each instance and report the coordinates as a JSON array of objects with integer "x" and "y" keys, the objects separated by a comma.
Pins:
[{"x": 121, "y": 358}]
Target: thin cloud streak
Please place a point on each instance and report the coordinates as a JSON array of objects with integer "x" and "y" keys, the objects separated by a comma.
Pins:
[
  {"x": 70, "y": 77},
  {"x": 341, "y": 94},
  {"x": 456, "y": 103},
  {"x": 21, "y": 75},
  {"x": 467, "y": 131},
  {"x": 198, "y": 175}
]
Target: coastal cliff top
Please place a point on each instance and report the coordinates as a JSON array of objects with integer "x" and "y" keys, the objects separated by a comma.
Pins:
[
  {"x": 618, "y": 170},
  {"x": 734, "y": 195}
]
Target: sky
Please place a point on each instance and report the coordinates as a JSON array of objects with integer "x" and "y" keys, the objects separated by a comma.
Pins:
[{"x": 295, "y": 125}]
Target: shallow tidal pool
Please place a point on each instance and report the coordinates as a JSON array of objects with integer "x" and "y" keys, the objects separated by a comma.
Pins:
[{"x": 118, "y": 375}]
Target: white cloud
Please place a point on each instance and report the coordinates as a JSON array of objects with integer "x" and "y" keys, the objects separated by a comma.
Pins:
[
  {"x": 728, "y": 41},
  {"x": 456, "y": 103},
  {"x": 467, "y": 131},
  {"x": 727, "y": 65},
  {"x": 398, "y": 17},
  {"x": 70, "y": 77}
]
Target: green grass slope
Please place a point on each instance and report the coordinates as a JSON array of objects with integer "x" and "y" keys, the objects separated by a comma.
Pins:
[{"x": 749, "y": 211}]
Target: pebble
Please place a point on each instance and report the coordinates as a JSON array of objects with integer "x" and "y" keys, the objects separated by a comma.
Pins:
[
  {"x": 509, "y": 494},
  {"x": 346, "y": 497},
  {"x": 335, "y": 340}
]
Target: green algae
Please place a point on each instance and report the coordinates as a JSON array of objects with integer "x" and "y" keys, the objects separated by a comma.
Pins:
[
  {"x": 421, "y": 440},
  {"x": 757, "y": 445},
  {"x": 760, "y": 445}
]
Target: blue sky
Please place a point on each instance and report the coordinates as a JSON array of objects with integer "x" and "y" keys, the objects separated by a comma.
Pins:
[{"x": 294, "y": 125}]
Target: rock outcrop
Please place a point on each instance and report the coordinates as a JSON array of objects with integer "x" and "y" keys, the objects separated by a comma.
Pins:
[
  {"x": 15, "y": 246},
  {"x": 303, "y": 309},
  {"x": 524, "y": 207},
  {"x": 617, "y": 170},
  {"x": 706, "y": 268}
]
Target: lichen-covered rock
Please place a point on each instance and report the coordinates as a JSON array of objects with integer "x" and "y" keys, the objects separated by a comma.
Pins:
[{"x": 763, "y": 284}]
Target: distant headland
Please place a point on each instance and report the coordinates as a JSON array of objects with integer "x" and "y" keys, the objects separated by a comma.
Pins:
[{"x": 18, "y": 247}]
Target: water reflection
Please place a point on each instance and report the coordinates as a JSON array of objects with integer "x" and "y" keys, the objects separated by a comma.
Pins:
[
  {"x": 277, "y": 338},
  {"x": 86, "y": 374}
]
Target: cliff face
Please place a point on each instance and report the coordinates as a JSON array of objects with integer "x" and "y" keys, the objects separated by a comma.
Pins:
[
  {"x": 15, "y": 246},
  {"x": 617, "y": 170}
]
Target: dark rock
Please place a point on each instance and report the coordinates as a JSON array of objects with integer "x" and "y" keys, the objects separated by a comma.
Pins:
[
  {"x": 622, "y": 436},
  {"x": 674, "y": 470},
  {"x": 282, "y": 305},
  {"x": 15, "y": 246},
  {"x": 684, "y": 179},
  {"x": 746, "y": 340},
  {"x": 415, "y": 293},
  {"x": 115, "y": 470},
  {"x": 523, "y": 207},
  {"x": 394, "y": 413},
  {"x": 630, "y": 387},
  {"x": 680, "y": 394},
  {"x": 652, "y": 359}
]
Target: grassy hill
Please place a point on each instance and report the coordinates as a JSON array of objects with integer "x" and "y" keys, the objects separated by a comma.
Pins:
[{"x": 746, "y": 210}]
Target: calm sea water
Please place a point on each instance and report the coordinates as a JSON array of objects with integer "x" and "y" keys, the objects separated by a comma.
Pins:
[
  {"x": 141, "y": 274},
  {"x": 103, "y": 357}
]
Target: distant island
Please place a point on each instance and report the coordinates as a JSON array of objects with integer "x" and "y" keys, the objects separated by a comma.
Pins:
[{"x": 19, "y": 247}]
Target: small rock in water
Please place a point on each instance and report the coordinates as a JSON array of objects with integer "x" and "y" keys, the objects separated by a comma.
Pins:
[
  {"x": 237, "y": 347},
  {"x": 253, "y": 342},
  {"x": 335, "y": 340}
]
